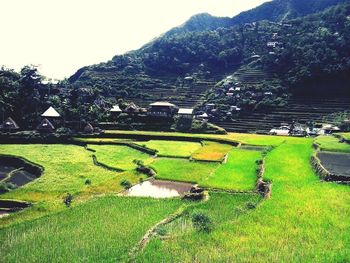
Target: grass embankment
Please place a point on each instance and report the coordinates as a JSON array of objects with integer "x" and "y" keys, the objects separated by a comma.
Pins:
[
  {"x": 345, "y": 135},
  {"x": 331, "y": 143},
  {"x": 67, "y": 167},
  {"x": 102, "y": 230},
  {"x": 253, "y": 139},
  {"x": 118, "y": 156},
  {"x": 172, "y": 148}
]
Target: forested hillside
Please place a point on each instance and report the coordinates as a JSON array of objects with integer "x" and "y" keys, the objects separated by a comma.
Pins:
[{"x": 292, "y": 53}]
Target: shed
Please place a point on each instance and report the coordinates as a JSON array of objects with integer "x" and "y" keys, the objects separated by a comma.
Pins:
[
  {"x": 45, "y": 125},
  {"x": 50, "y": 113},
  {"x": 9, "y": 124}
]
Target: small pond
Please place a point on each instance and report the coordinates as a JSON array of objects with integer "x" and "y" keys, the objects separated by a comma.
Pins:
[{"x": 159, "y": 189}]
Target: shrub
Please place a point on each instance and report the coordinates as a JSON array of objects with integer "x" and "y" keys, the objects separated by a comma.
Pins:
[
  {"x": 67, "y": 200},
  {"x": 87, "y": 182},
  {"x": 251, "y": 205},
  {"x": 126, "y": 184},
  {"x": 161, "y": 231},
  {"x": 201, "y": 222},
  {"x": 6, "y": 187}
]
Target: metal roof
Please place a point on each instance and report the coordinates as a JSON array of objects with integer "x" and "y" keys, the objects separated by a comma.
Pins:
[
  {"x": 185, "y": 111},
  {"x": 162, "y": 103},
  {"x": 115, "y": 109}
]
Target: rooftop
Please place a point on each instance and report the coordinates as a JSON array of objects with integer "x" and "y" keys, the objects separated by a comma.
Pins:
[
  {"x": 185, "y": 111},
  {"x": 50, "y": 112},
  {"x": 162, "y": 103}
]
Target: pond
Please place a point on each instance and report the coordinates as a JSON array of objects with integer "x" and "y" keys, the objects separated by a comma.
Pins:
[{"x": 159, "y": 189}]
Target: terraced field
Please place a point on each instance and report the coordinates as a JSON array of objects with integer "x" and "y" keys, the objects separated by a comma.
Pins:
[{"x": 303, "y": 221}]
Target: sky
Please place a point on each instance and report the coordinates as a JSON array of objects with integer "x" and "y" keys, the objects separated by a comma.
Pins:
[{"x": 61, "y": 36}]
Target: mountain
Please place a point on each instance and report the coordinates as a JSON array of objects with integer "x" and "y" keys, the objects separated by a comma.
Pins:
[{"x": 280, "y": 10}]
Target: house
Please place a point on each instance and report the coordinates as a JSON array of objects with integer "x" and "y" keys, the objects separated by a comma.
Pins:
[
  {"x": 281, "y": 131},
  {"x": 50, "y": 113},
  {"x": 235, "y": 108},
  {"x": 9, "y": 124},
  {"x": 162, "y": 109},
  {"x": 203, "y": 116},
  {"x": 132, "y": 108},
  {"x": 185, "y": 113},
  {"x": 45, "y": 126},
  {"x": 210, "y": 106}
]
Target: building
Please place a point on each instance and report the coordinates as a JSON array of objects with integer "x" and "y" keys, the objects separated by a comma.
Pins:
[
  {"x": 9, "y": 125},
  {"x": 162, "y": 109},
  {"x": 45, "y": 126},
  {"x": 88, "y": 128},
  {"x": 186, "y": 113}
]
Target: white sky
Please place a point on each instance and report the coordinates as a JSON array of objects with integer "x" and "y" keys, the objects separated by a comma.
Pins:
[{"x": 61, "y": 36}]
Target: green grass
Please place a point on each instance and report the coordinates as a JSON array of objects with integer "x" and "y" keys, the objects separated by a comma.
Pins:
[
  {"x": 66, "y": 169},
  {"x": 172, "y": 148},
  {"x": 331, "y": 143},
  {"x": 305, "y": 220},
  {"x": 239, "y": 173},
  {"x": 345, "y": 135},
  {"x": 118, "y": 156},
  {"x": 101, "y": 230},
  {"x": 212, "y": 151},
  {"x": 183, "y": 170}
]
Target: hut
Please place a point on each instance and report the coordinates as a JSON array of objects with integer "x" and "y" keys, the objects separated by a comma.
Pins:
[
  {"x": 9, "y": 124},
  {"x": 45, "y": 126},
  {"x": 88, "y": 128},
  {"x": 162, "y": 109}
]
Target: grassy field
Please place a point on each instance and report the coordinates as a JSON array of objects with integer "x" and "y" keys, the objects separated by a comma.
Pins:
[
  {"x": 304, "y": 221},
  {"x": 345, "y": 135},
  {"x": 67, "y": 167},
  {"x": 102, "y": 230},
  {"x": 172, "y": 148},
  {"x": 212, "y": 151},
  {"x": 183, "y": 170},
  {"x": 118, "y": 156},
  {"x": 331, "y": 143},
  {"x": 239, "y": 173}
]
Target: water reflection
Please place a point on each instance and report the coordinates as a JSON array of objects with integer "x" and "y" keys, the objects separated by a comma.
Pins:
[{"x": 159, "y": 189}]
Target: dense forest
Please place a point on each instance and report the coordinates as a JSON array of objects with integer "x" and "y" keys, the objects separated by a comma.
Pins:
[{"x": 309, "y": 53}]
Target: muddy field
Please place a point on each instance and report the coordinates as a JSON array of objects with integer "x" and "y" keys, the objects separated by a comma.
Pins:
[{"x": 336, "y": 163}]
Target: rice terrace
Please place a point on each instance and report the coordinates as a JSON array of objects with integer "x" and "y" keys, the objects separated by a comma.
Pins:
[{"x": 224, "y": 138}]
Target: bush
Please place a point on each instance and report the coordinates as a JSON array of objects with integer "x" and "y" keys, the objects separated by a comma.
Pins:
[
  {"x": 6, "y": 187},
  {"x": 64, "y": 131},
  {"x": 201, "y": 222},
  {"x": 87, "y": 182},
  {"x": 67, "y": 200},
  {"x": 161, "y": 231},
  {"x": 251, "y": 205},
  {"x": 126, "y": 184}
]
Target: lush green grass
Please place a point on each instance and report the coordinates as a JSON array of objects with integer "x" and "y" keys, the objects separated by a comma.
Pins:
[
  {"x": 119, "y": 156},
  {"x": 183, "y": 170},
  {"x": 223, "y": 210},
  {"x": 212, "y": 151},
  {"x": 66, "y": 169},
  {"x": 254, "y": 139},
  {"x": 101, "y": 230},
  {"x": 172, "y": 148},
  {"x": 305, "y": 220},
  {"x": 239, "y": 173},
  {"x": 345, "y": 135},
  {"x": 331, "y": 143}
]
